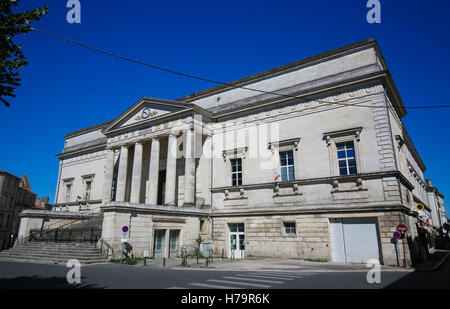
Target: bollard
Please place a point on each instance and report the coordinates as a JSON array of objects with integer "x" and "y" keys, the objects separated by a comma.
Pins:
[
  {"x": 206, "y": 262},
  {"x": 164, "y": 261},
  {"x": 222, "y": 254}
]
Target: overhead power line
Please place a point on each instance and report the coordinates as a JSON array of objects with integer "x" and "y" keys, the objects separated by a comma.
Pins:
[{"x": 214, "y": 81}]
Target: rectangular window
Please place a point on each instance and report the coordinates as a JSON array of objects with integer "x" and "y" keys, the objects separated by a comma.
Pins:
[
  {"x": 88, "y": 190},
  {"x": 289, "y": 228},
  {"x": 346, "y": 158},
  {"x": 287, "y": 165},
  {"x": 236, "y": 172},
  {"x": 68, "y": 188}
]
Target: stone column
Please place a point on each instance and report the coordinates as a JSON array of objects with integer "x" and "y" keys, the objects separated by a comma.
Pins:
[
  {"x": 166, "y": 244},
  {"x": 137, "y": 174},
  {"x": 207, "y": 155},
  {"x": 189, "y": 170},
  {"x": 108, "y": 177},
  {"x": 122, "y": 174},
  {"x": 152, "y": 189},
  {"x": 171, "y": 170}
]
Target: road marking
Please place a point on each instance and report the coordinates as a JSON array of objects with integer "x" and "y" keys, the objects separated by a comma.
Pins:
[
  {"x": 240, "y": 283},
  {"x": 175, "y": 287},
  {"x": 263, "y": 276},
  {"x": 281, "y": 275},
  {"x": 212, "y": 286},
  {"x": 256, "y": 280}
]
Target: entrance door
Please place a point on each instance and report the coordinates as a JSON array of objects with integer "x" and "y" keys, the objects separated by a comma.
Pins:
[
  {"x": 161, "y": 187},
  {"x": 159, "y": 245},
  {"x": 173, "y": 242},
  {"x": 237, "y": 240}
]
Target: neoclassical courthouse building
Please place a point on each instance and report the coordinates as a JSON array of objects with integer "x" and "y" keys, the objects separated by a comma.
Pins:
[{"x": 306, "y": 160}]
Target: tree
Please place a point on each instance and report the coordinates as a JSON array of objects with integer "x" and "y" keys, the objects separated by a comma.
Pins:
[{"x": 11, "y": 56}]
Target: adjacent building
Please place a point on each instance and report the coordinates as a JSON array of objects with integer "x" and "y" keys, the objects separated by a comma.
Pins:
[
  {"x": 42, "y": 203},
  {"x": 15, "y": 196},
  {"x": 307, "y": 160}
]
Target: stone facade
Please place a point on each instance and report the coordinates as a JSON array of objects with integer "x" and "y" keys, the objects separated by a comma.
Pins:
[
  {"x": 209, "y": 165},
  {"x": 15, "y": 196}
]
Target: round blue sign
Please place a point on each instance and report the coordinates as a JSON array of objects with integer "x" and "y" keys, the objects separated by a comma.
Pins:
[
  {"x": 397, "y": 234},
  {"x": 125, "y": 229}
]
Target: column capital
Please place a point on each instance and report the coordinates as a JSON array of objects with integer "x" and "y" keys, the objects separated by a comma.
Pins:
[{"x": 189, "y": 128}]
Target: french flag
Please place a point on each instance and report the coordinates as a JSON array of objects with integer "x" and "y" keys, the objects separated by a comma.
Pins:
[
  {"x": 78, "y": 198},
  {"x": 277, "y": 177}
]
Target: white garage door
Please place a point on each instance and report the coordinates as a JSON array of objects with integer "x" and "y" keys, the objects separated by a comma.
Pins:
[{"x": 354, "y": 240}]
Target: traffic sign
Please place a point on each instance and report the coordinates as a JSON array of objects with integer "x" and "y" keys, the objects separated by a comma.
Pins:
[
  {"x": 402, "y": 228},
  {"x": 397, "y": 234},
  {"x": 125, "y": 229},
  {"x": 420, "y": 207}
]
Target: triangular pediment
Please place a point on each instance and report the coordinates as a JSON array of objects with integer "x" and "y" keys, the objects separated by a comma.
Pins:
[{"x": 144, "y": 111}]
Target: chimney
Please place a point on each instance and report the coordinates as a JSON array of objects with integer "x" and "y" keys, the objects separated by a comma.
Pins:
[{"x": 429, "y": 183}]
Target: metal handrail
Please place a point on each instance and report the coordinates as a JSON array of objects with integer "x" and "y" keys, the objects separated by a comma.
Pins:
[
  {"x": 108, "y": 246},
  {"x": 21, "y": 239}
]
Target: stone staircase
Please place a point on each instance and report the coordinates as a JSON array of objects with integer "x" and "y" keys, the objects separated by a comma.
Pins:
[
  {"x": 54, "y": 253},
  {"x": 57, "y": 246}
]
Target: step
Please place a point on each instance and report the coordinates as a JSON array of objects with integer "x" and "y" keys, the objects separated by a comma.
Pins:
[
  {"x": 58, "y": 258},
  {"x": 53, "y": 261},
  {"x": 44, "y": 255},
  {"x": 63, "y": 249},
  {"x": 60, "y": 245},
  {"x": 55, "y": 248}
]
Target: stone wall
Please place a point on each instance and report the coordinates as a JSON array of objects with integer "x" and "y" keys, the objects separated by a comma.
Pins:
[{"x": 265, "y": 236}]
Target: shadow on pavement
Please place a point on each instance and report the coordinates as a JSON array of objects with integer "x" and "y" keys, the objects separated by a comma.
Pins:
[
  {"x": 425, "y": 278},
  {"x": 36, "y": 282}
]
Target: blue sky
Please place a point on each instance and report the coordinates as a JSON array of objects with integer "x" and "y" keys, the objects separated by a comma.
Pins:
[{"x": 66, "y": 88}]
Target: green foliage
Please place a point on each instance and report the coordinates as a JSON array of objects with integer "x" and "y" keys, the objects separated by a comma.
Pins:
[
  {"x": 317, "y": 260},
  {"x": 132, "y": 261},
  {"x": 11, "y": 56}
]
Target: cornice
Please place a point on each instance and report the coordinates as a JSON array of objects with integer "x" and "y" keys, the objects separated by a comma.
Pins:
[
  {"x": 81, "y": 151},
  {"x": 318, "y": 209},
  {"x": 309, "y": 181},
  {"x": 140, "y": 208},
  {"x": 328, "y": 55}
]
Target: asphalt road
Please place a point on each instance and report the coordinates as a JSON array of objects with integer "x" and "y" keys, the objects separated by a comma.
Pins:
[{"x": 114, "y": 276}]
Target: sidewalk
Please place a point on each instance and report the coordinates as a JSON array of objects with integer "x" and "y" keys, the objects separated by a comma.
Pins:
[{"x": 265, "y": 264}]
